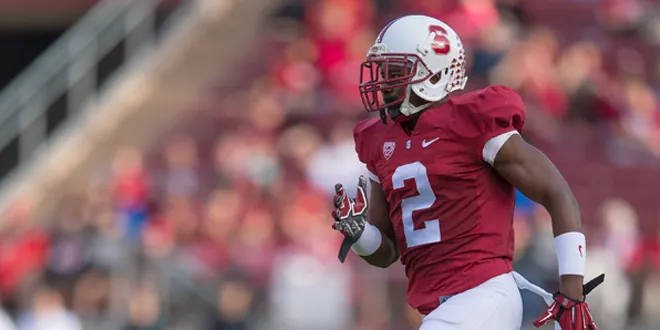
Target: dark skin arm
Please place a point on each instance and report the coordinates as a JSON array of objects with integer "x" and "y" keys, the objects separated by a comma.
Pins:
[
  {"x": 531, "y": 172},
  {"x": 378, "y": 215}
]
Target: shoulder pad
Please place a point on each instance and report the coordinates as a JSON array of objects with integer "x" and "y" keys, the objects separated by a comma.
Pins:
[
  {"x": 493, "y": 110},
  {"x": 364, "y": 134}
]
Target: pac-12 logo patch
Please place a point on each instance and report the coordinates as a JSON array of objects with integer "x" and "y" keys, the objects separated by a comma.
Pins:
[{"x": 388, "y": 149}]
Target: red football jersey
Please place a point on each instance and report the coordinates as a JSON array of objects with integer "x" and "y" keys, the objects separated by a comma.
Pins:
[{"x": 452, "y": 213}]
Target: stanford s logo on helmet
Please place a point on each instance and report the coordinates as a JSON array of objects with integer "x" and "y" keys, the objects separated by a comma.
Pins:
[
  {"x": 429, "y": 58},
  {"x": 441, "y": 44}
]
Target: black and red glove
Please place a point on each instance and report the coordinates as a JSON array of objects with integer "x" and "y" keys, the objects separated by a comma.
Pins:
[
  {"x": 350, "y": 215},
  {"x": 571, "y": 314}
]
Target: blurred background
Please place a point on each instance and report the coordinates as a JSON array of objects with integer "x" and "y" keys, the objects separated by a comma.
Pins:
[{"x": 169, "y": 164}]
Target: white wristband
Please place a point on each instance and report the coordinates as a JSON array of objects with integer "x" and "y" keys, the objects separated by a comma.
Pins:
[
  {"x": 571, "y": 251},
  {"x": 369, "y": 241}
]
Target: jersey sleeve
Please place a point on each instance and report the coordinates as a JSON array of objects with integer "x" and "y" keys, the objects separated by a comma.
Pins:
[
  {"x": 498, "y": 114},
  {"x": 363, "y": 145}
]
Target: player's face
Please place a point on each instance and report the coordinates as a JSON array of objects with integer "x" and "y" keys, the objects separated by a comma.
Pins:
[
  {"x": 385, "y": 79},
  {"x": 392, "y": 75}
]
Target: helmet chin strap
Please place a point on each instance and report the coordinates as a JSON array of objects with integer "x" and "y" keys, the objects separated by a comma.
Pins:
[{"x": 407, "y": 109}]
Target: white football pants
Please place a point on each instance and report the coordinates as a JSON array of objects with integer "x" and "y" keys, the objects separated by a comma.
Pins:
[{"x": 494, "y": 305}]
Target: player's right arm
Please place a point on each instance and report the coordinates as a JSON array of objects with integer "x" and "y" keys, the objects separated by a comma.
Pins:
[
  {"x": 372, "y": 240},
  {"x": 378, "y": 216},
  {"x": 368, "y": 227}
]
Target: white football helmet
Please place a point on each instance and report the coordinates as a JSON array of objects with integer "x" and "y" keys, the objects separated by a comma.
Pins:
[{"x": 431, "y": 54}]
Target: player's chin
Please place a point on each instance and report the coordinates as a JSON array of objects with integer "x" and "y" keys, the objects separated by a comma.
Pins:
[{"x": 394, "y": 112}]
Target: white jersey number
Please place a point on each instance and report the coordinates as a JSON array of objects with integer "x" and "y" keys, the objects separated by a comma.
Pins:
[{"x": 425, "y": 198}]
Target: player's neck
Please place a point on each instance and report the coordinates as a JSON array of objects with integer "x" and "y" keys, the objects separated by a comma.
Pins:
[{"x": 409, "y": 126}]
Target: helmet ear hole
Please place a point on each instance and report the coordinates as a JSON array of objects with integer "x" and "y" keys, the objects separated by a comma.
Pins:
[{"x": 436, "y": 78}]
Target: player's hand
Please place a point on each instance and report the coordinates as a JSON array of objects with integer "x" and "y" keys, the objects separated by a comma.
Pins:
[
  {"x": 349, "y": 214},
  {"x": 571, "y": 314}
]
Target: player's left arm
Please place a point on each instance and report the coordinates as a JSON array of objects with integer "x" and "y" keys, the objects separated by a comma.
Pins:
[{"x": 531, "y": 172}]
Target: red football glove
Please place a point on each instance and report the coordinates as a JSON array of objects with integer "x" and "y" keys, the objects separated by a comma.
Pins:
[
  {"x": 350, "y": 215},
  {"x": 569, "y": 313}
]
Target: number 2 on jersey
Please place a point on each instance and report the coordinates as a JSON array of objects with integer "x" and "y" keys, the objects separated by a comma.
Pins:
[{"x": 425, "y": 199}]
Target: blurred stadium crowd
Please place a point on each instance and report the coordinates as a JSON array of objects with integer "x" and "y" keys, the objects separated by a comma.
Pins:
[{"x": 225, "y": 225}]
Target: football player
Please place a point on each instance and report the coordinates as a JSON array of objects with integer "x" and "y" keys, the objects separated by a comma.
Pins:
[{"x": 443, "y": 174}]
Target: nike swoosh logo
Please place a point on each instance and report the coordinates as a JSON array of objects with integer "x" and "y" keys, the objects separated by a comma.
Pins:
[{"x": 426, "y": 144}]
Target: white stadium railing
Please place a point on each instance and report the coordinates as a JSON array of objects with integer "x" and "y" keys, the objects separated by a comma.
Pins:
[{"x": 68, "y": 69}]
